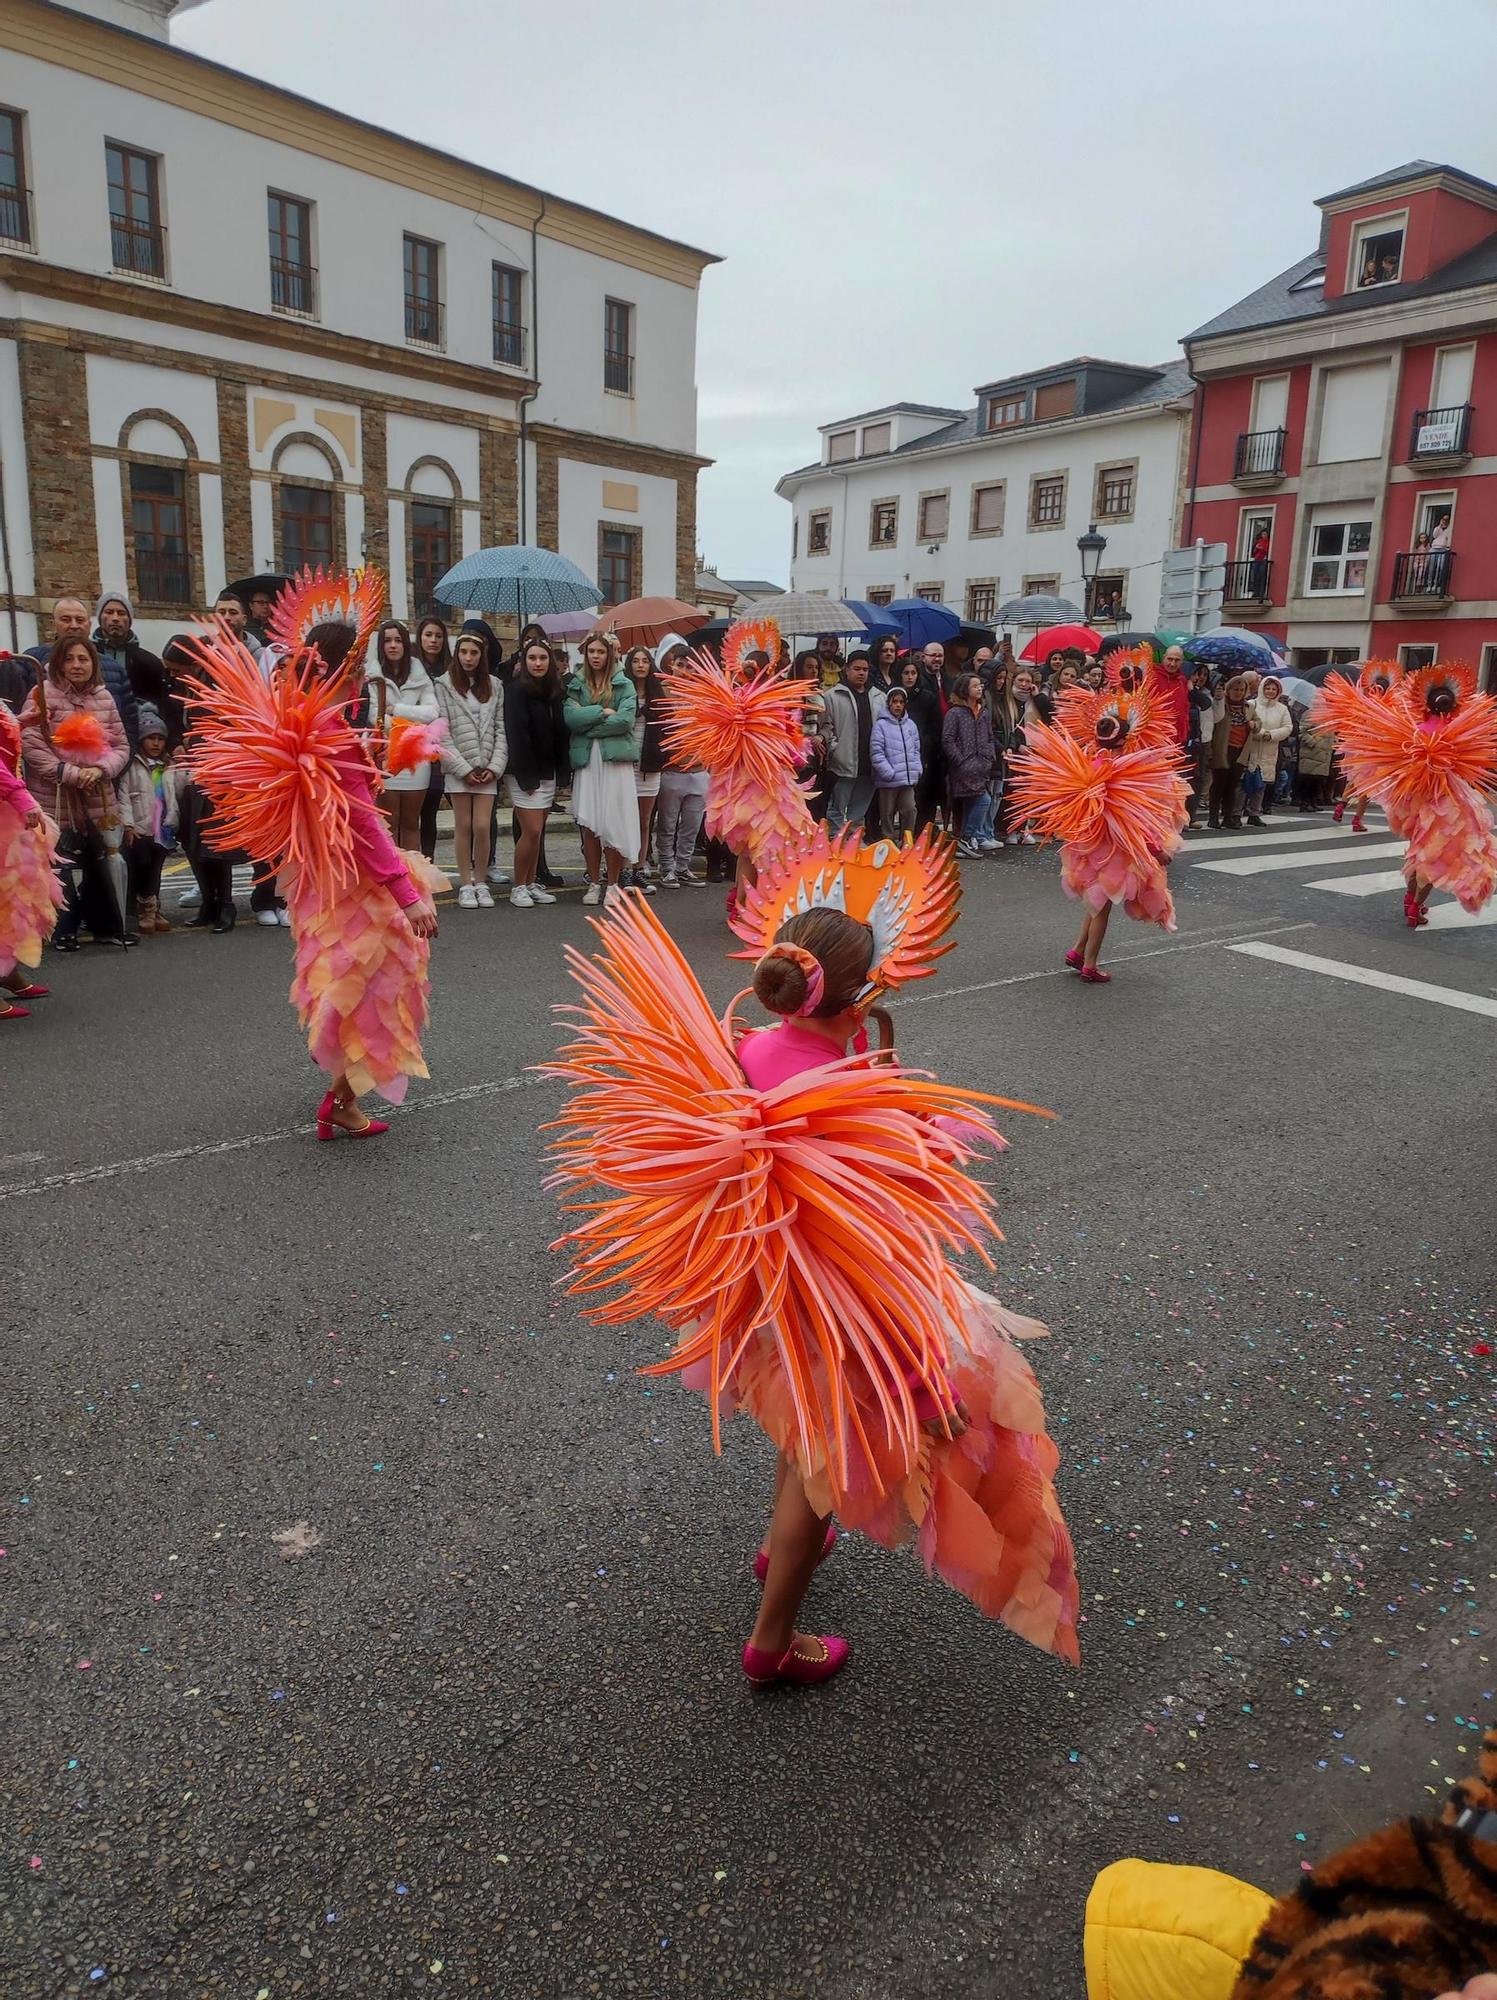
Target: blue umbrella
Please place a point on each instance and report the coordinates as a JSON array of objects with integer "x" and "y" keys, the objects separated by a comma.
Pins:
[
  {"x": 1254, "y": 638},
  {"x": 876, "y": 617},
  {"x": 917, "y": 622},
  {"x": 1231, "y": 651},
  {"x": 517, "y": 579}
]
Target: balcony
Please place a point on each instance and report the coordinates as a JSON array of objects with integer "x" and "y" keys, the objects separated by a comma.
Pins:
[
  {"x": 423, "y": 321},
  {"x": 138, "y": 248},
  {"x": 618, "y": 373},
  {"x": 509, "y": 344},
  {"x": 293, "y": 288},
  {"x": 15, "y": 216},
  {"x": 1249, "y": 583},
  {"x": 1259, "y": 462},
  {"x": 1422, "y": 579},
  {"x": 1439, "y": 438}
]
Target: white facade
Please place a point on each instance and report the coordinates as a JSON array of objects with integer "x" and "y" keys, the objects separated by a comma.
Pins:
[
  {"x": 960, "y": 518},
  {"x": 337, "y": 394}
]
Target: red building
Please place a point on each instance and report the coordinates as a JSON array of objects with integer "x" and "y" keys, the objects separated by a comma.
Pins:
[{"x": 1344, "y": 443}]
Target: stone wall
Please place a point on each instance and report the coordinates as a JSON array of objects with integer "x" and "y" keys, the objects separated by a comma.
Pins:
[{"x": 59, "y": 466}]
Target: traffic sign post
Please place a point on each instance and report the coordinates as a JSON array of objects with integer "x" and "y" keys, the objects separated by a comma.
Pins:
[{"x": 1190, "y": 588}]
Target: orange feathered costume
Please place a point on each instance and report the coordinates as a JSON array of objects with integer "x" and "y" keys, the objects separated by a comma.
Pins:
[
  {"x": 1113, "y": 793},
  {"x": 292, "y": 784},
  {"x": 797, "y": 1239},
  {"x": 30, "y": 891},
  {"x": 1424, "y": 746}
]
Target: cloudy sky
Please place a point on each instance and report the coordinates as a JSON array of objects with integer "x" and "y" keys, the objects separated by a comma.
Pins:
[{"x": 911, "y": 200}]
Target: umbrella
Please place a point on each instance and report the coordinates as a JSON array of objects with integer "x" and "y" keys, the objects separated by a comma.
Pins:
[
  {"x": 977, "y": 635},
  {"x": 713, "y": 632},
  {"x": 1228, "y": 649},
  {"x": 1343, "y": 670},
  {"x": 1061, "y": 638},
  {"x": 517, "y": 579},
  {"x": 1038, "y": 609},
  {"x": 644, "y": 621},
  {"x": 1294, "y": 689},
  {"x": 802, "y": 612},
  {"x": 567, "y": 624},
  {"x": 1124, "y": 642},
  {"x": 875, "y": 617},
  {"x": 272, "y": 583},
  {"x": 917, "y": 622},
  {"x": 1262, "y": 639}
]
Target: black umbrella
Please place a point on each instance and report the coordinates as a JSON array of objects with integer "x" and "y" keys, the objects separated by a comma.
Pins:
[
  {"x": 1344, "y": 670},
  {"x": 1123, "y": 642},
  {"x": 249, "y": 586},
  {"x": 978, "y": 635}
]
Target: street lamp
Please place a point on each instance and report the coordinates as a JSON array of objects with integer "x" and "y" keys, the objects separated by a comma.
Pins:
[{"x": 1089, "y": 547}]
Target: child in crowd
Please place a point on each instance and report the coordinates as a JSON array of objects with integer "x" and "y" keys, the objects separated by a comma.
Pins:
[
  {"x": 897, "y": 765},
  {"x": 147, "y": 792}
]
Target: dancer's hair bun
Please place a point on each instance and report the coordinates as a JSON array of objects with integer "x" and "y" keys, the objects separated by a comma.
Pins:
[{"x": 788, "y": 979}]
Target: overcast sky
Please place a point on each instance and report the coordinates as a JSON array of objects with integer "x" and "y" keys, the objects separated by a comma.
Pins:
[{"x": 910, "y": 199}]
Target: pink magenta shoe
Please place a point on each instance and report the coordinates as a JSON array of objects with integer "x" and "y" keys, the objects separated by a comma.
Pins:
[
  {"x": 1095, "y": 976},
  {"x": 1359, "y": 825},
  {"x": 32, "y": 992},
  {"x": 16, "y": 1014},
  {"x": 1073, "y": 959},
  {"x": 761, "y": 1561},
  {"x": 809, "y": 1662},
  {"x": 1340, "y": 813}
]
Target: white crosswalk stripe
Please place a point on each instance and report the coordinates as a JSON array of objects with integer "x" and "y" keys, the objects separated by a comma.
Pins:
[
  {"x": 1256, "y": 851},
  {"x": 1297, "y": 857}
]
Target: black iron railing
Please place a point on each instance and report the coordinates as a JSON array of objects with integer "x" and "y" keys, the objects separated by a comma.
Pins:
[
  {"x": 163, "y": 576},
  {"x": 618, "y": 372},
  {"x": 1440, "y": 433},
  {"x": 423, "y": 321},
  {"x": 1249, "y": 582},
  {"x": 15, "y": 215},
  {"x": 1423, "y": 573},
  {"x": 138, "y": 247},
  {"x": 509, "y": 344},
  {"x": 1259, "y": 453},
  {"x": 293, "y": 286}
]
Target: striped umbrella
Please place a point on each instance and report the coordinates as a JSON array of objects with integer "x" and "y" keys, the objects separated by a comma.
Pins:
[
  {"x": 517, "y": 579},
  {"x": 804, "y": 614}
]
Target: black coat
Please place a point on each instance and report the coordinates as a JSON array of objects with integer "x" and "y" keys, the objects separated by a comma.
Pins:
[{"x": 536, "y": 734}]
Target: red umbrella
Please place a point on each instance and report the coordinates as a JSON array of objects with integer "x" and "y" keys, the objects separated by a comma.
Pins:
[
  {"x": 644, "y": 621},
  {"x": 1058, "y": 638}
]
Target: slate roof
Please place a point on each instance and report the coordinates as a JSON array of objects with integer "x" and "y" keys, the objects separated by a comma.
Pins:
[
  {"x": 1168, "y": 380},
  {"x": 892, "y": 410},
  {"x": 1411, "y": 170},
  {"x": 753, "y": 586},
  {"x": 1277, "y": 304}
]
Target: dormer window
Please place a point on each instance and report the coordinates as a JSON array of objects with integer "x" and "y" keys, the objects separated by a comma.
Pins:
[
  {"x": 1005, "y": 410},
  {"x": 841, "y": 446},
  {"x": 1377, "y": 253}
]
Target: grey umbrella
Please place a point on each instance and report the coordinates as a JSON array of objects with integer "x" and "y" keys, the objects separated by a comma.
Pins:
[
  {"x": 1039, "y": 610},
  {"x": 801, "y": 613}
]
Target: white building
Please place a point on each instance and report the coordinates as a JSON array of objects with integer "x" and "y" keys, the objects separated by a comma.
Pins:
[
  {"x": 971, "y": 507},
  {"x": 239, "y": 330}
]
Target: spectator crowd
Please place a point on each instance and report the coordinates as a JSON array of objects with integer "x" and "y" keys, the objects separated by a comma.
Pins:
[{"x": 894, "y": 742}]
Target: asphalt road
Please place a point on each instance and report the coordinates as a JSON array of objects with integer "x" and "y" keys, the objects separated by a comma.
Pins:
[{"x": 371, "y": 1628}]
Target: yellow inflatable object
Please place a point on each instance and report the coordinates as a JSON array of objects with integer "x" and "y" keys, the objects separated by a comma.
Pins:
[{"x": 1155, "y": 1932}]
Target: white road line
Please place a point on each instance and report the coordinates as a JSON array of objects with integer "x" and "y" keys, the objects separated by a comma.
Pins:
[
  {"x": 1360, "y": 885},
  {"x": 1364, "y": 975},
  {"x": 145, "y": 1163},
  {"x": 1290, "y": 836},
  {"x": 1451, "y": 917},
  {"x": 1197, "y": 943},
  {"x": 1311, "y": 857}
]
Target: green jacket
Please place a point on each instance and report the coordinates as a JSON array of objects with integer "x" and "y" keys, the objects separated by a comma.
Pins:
[{"x": 588, "y": 723}]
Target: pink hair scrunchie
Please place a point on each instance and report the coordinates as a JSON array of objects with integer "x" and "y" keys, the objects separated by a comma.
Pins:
[{"x": 810, "y": 965}]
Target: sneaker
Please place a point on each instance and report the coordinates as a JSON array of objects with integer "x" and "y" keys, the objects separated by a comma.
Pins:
[
  {"x": 690, "y": 881},
  {"x": 592, "y": 895},
  {"x": 990, "y": 846},
  {"x": 536, "y": 894},
  {"x": 497, "y": 879},
  {"x": 268, "y": 920},
  {"x": 521, "y": 899},
  {"x": 670, "y": 881},
  {"x": 613, "y": 897},
  {"x": 1011, "y": 840},
  {"x": 483, "y": 896},
  {"x": 969, "y": 850},
  {"x": 190, "y": 898},
  {"x": 283, "y": 917},
  {"x": 467, "y": 897},
  {"x": 1028, "y": 839},
  {"x": 643, "y": 883}
]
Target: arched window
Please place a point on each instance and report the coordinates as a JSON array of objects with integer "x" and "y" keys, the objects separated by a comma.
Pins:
[{"x": 158, "y": 497}]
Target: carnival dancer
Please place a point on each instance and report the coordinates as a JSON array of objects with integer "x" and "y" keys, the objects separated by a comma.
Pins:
[
  {"x": 30, "y": 890},
  {"x": 1380, "y": 678},
  {"x": 1117, "y": 799},
  {"x": 292, "y": 783},
  {"x": 743, "y": 721},
  {"x": 1426, "y": 751},
  {"x": 788, "y": 1209}
]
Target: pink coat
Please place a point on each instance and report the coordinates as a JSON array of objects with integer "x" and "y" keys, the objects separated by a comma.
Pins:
[{"x": 51, "y": 774}]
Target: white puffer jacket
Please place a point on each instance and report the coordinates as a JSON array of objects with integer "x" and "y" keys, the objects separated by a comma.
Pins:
[
  {"x": 1272, "y": 724},
  {"x": 415, "y": 702},
  {"x": 475, "y": 730}
]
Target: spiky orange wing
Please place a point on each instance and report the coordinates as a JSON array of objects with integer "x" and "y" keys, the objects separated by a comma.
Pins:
[
  {"x": 1073, "y": 793},
  {"x": 1078, "y": 709},
  {"x": 353, "y": 597},
  {"x": 728, "y": 1213},
  {"x": 82, "y": 736},
  {"x": 269, "y": 753},
  {"x": 750, "y": 635},
  {"x": 907, "y": 895},
  {"x": 715, "y": 719},
  {"x": 412, "y": 743}
]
